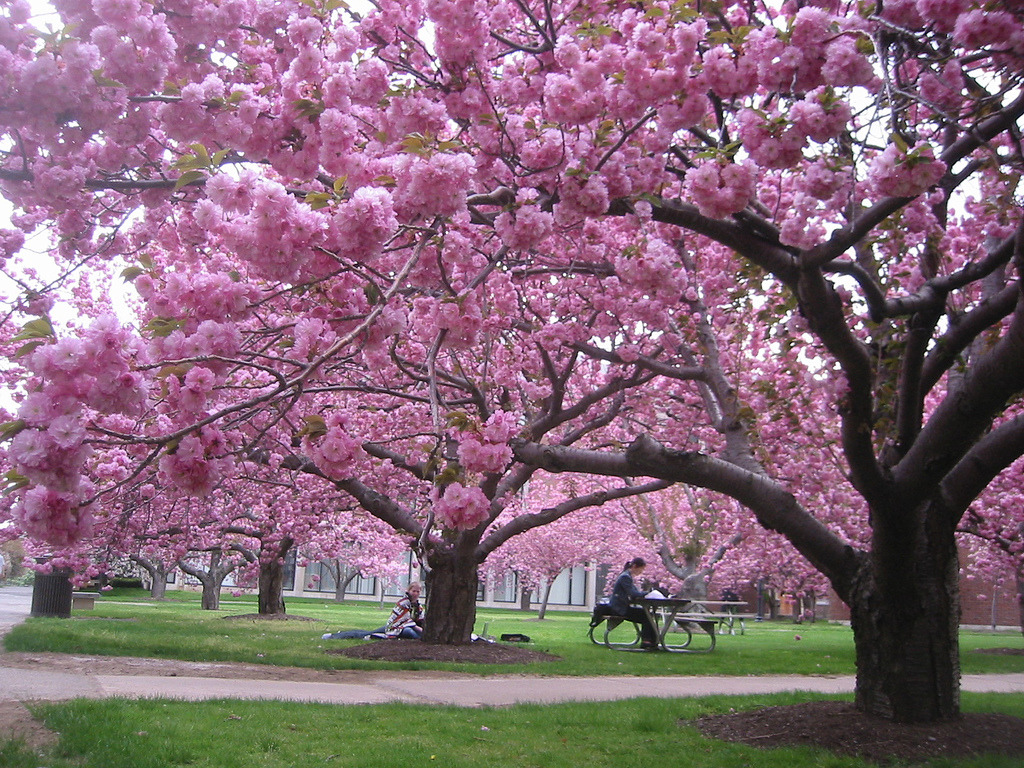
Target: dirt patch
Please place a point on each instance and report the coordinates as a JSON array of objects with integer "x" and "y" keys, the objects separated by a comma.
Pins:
[
  {"x": 839, "y": 728},
  {"x": 268, "y": 617},
  {"x": 130, "y": 665},
  {"x": 472, "y": 653},
  {"x": 16, "y": 722},
  {"x": 1001, "y": 651}
]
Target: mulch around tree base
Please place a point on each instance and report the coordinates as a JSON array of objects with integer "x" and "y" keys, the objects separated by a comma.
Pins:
[
  {"x": 838, "y": 727},
  {"x": 415, "y": 650}
]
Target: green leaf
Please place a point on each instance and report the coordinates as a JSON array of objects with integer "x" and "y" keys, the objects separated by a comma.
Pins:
[
  {"x": 315, "y": 427},
  {"x": 27, "y": 349},
  {"x": 460, "y": 420},
  {"x": 178, "y": 370},
  {"x": 189, "y": 177},
  {"x": 130, "y": 273},
  {"x": 318, "y": 200},
  {"x": 14, "y": 480},
  {"x": 161, "y": 327},
  {"x": 201, "y": 152},
  {"x": 39, "y": 328},
  {"x": 105, "y": 82},
  {"x": 10, "y": 428},
  {"x": 372, "y": 293}
]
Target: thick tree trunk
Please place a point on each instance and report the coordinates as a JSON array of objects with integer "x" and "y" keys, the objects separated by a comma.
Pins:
[
  {"x": 158, "y": 589},
  {"x": 451, "y": 598},
  {"x": 271, "y": 581},
  {"x": 212, "y": 579},
  {"x": 271, "y": 588},
  {"x": 211, "y": 595},
  {"x": 904, "y": 608},
  {"x": 157, "y": 575}
]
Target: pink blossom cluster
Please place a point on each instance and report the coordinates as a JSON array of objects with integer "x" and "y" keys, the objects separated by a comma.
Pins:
[
  {"x": 53, "y": 516},
  {"x": 207, "y": 296},
  {"x": 898, "y": 173},
  {"x": 461, "y": 30},
  {"x": 980, "y": 28},
  {"x": 720, "y": 188},
  {"x": 265, "y": 225},
  {"x": 487, "y": 450},
  {"x": 524, "y": 228},
  {"x": 461, "y": 508},
  {"x": 653, "y": 270},
  {"x": 94, "y": 371},
  {"x": 431, "y": 186},
  {"x": 334, "y": 453},
  {"x": 195, "y": 465},
  {"x": 362, "y": 224},
  {"x": 461, "y": 320},
  {"x": 11, "y": 241},
  {"x": 771, "y": 140}
]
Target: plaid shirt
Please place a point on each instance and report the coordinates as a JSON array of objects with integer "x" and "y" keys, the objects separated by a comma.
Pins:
[{"x": 406, "y": 613}]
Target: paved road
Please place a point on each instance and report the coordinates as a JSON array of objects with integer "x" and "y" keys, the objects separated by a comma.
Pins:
[{"x": 25, "y": 685}]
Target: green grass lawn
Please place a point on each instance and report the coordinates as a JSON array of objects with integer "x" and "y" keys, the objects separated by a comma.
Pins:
[
  {"x": 117, "y": 733},
  {"x": 247, "y": 734},
  {"x": 127, "y": 623}
]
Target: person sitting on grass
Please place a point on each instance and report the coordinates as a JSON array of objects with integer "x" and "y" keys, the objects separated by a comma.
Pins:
[{"x": 406, "y": 618}]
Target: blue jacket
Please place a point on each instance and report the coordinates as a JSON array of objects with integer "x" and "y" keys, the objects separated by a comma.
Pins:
[{"x": 624, "y": 592}]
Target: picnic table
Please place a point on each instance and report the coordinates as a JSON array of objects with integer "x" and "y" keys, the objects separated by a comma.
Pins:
[
  {"x": 727, "y": 612},
  {"x": 678, "y": 622}
]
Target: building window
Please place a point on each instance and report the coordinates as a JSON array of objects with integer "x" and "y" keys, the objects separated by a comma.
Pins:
[
  {"x": 570, "y": 587},
  {"x": 507, "y": 589}
]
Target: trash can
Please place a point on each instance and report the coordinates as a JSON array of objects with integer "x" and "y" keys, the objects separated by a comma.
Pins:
[{"x": 51, "y": 594}]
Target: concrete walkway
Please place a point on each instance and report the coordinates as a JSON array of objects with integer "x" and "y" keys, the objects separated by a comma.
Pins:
[{"x": 27, "y": 685}]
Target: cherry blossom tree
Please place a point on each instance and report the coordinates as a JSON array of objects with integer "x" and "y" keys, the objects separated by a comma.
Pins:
[
  {"x": 992, "y": 532},
  {"x": 421, "y": 251},
  {"x": 352, "y": 545}
]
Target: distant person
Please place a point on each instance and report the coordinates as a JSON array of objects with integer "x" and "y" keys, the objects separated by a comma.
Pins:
[
  {"x": 624, "y": 593},
  {"x": 406, "y": 618}
]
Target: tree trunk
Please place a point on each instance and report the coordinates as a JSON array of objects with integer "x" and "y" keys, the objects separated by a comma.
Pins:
[
  {"x": 271, "y": 581},
  {"x": 544, "y": 603},
  {"x": 343, "y": 577},
  {"x": 158, "y": 589},
  {"x": 157, "y": 571},
  {"x": 904, "y": 608},
  {"x": 524, "y": 599},
  {"x": 271, "y": 588},
  {"x": 451, "y": 598}
]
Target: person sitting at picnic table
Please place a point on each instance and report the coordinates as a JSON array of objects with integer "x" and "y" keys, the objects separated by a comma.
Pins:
[
  {"x": 406, "y": 618},
  {"x": 624, "y": 593}
]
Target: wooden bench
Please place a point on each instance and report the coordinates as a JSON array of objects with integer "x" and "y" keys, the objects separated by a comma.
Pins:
[{"x": 83, "y": 601}]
